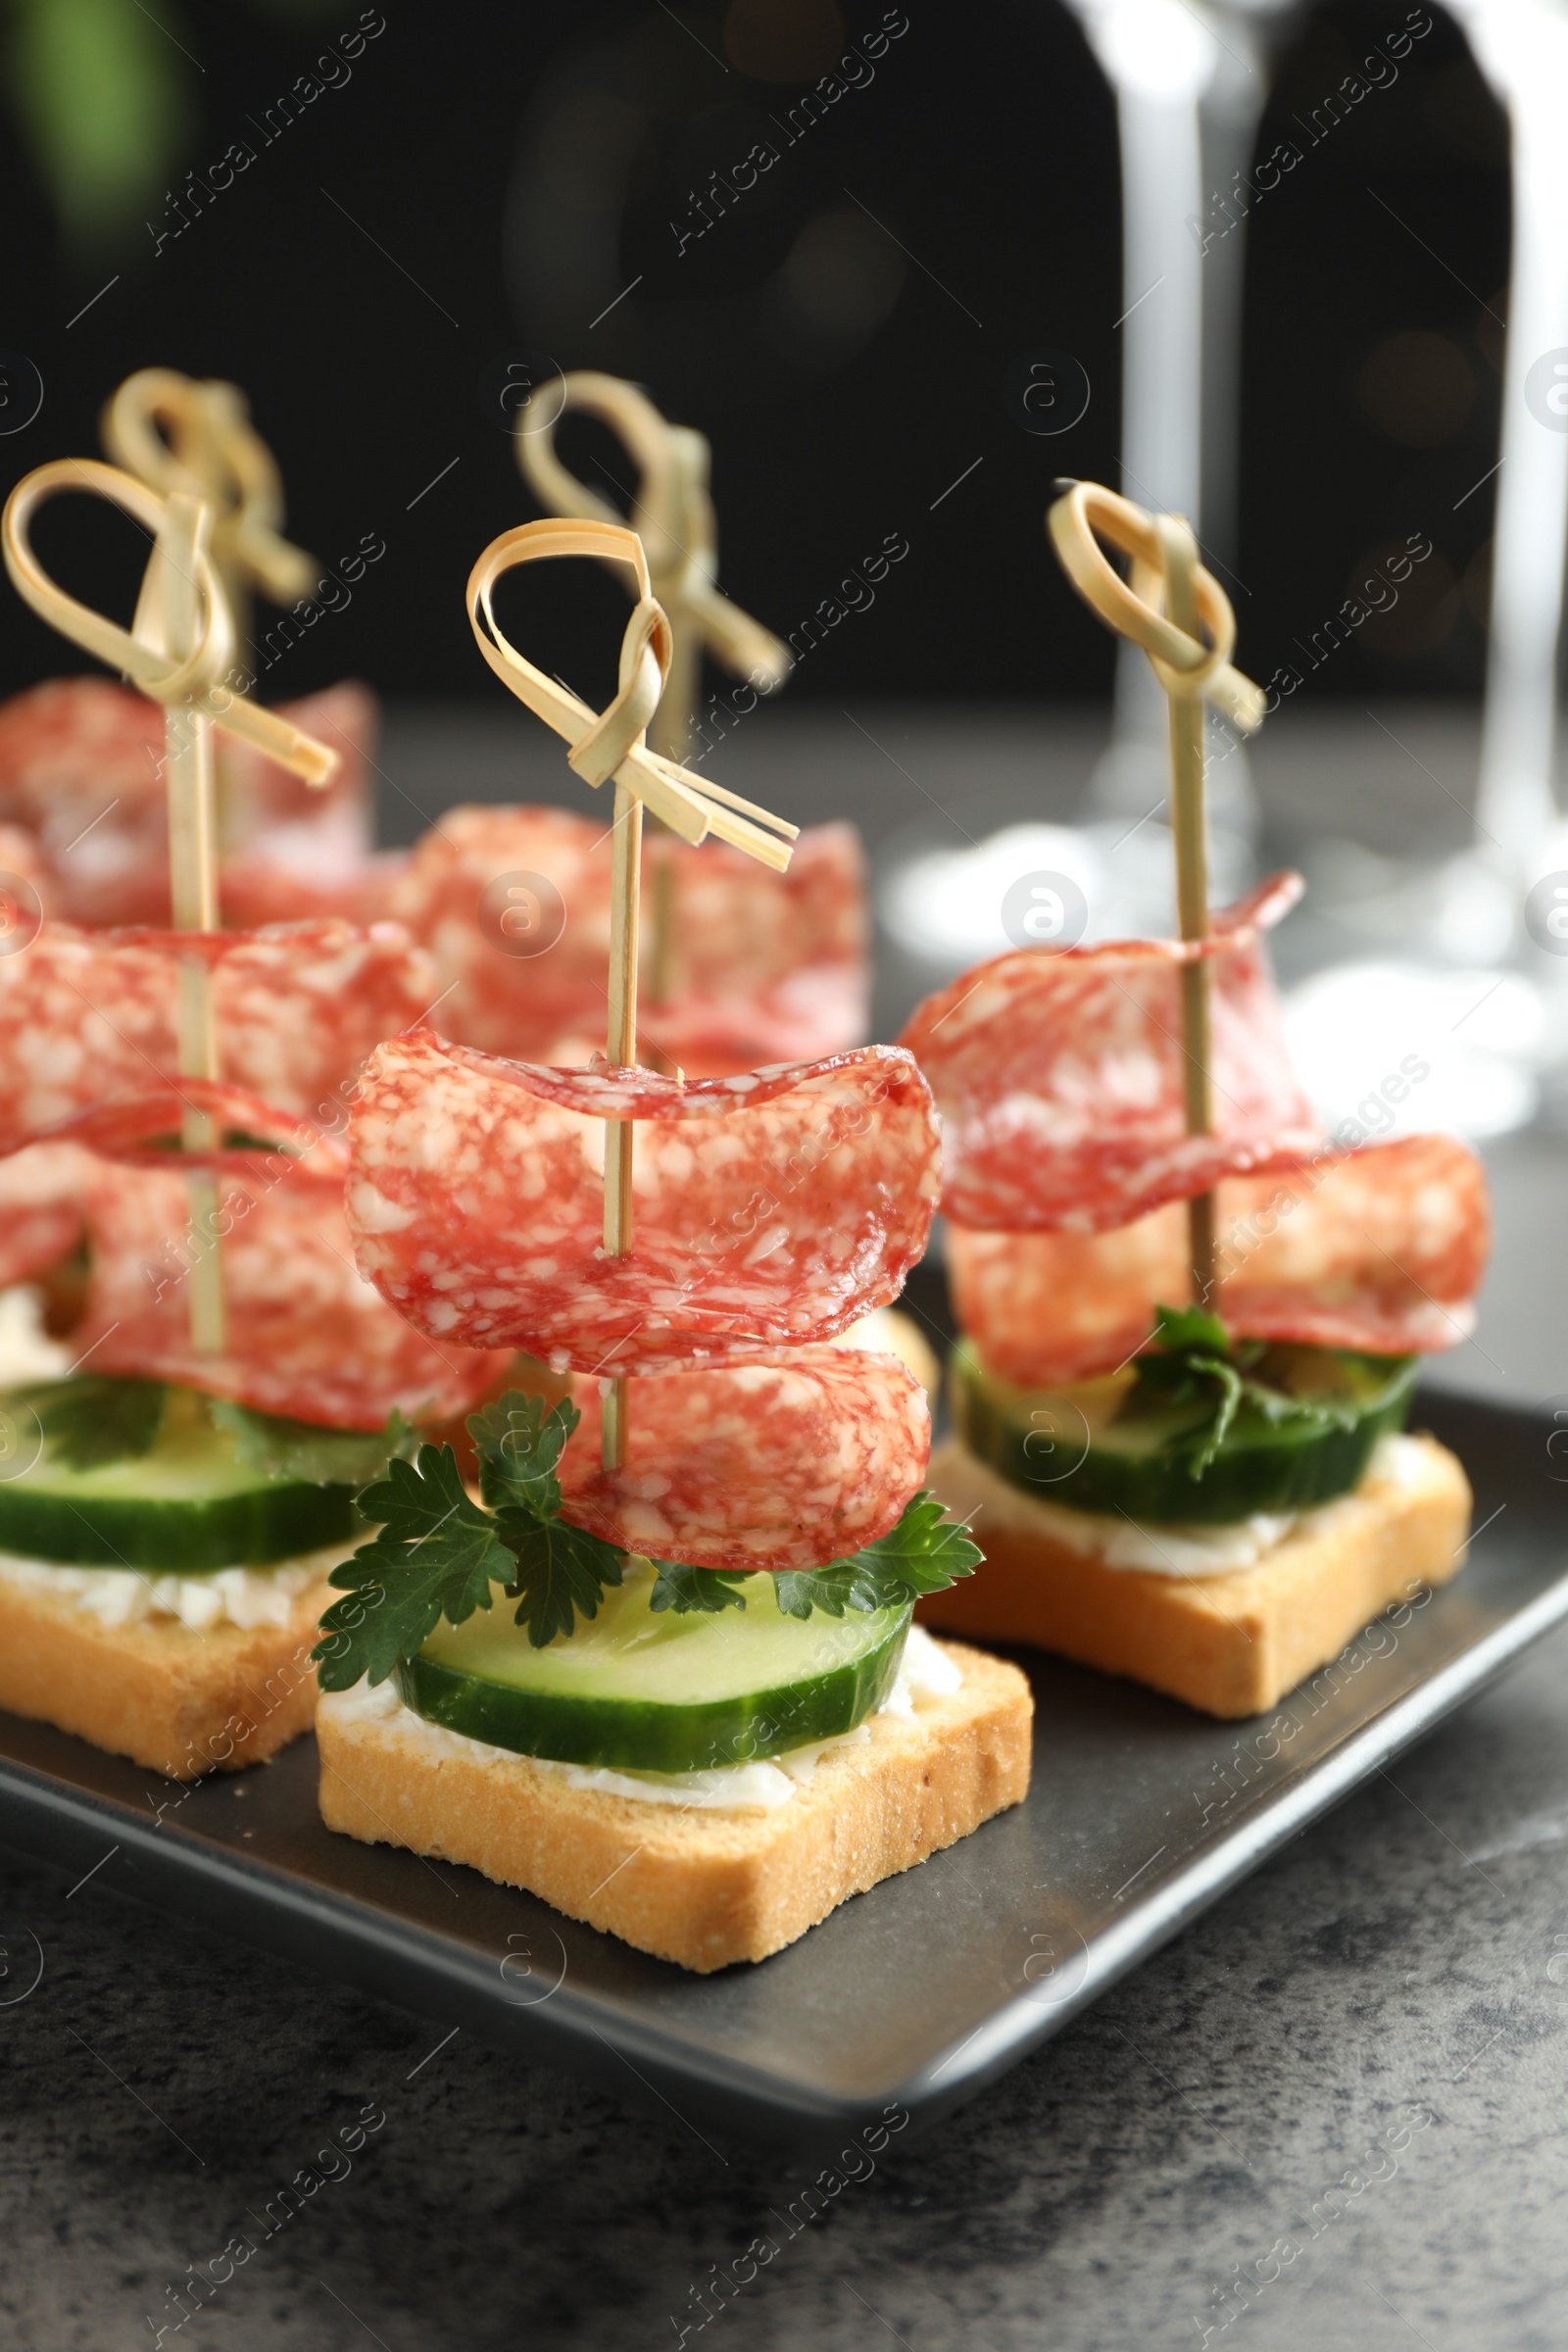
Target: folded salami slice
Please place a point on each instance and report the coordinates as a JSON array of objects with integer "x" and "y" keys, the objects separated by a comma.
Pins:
[
  {"x": 141, "y": 1130},
  {"x": 41, "y": 1190},
  {"x": 1058, "y": 1077},
  {"x": 1381, "y": 1249},
  {"x": 307, "y": 1336},
  {"x": 771, "y": 1211},
  {"x": 81, "y": 770},
  {"x": 762, "y": 966},
  {"x": 86, "y": 1016},
  {"x": 821, "y": 1009},
  {"x": 788, "y": 1462},
  {"x": 28, "y": 892}
]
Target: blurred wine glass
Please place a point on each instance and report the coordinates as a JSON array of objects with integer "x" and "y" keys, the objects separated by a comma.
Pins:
[
  {"x": 1485, "y": 926},
  {"x": 1189, "y": 83},
  {"x": 1522, "y": 48}
]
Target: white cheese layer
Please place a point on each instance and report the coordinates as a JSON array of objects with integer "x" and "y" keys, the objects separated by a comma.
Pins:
[
  {"x": 244, "y": 1596},
  {"x": 1119, "y": 1542},
  {"x": 926, "y": 1673},
  {"x": 27, "y": 1351}
]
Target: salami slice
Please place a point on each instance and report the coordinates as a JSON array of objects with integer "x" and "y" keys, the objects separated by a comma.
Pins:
[
  {"x": 307, "y": 1336},
  {"x": 140, "y": 1130},
  {"x": 81, "y": 770},
  {"x": 769, "y": 1210},
  {"x": 41, "y": 1190},
  {"x": 27, "y": 889},
  {"x": 761, "y": 966},
  {"x": 88, "y": 1016},
  {"x": 300, "y": 1005},
  {"x": 788, "y": 1462},
  {"x": 1060, "y": 1077},
  {"x": 1381, "y": 1249},
  {"x": 291, "y": 850},
  {"x": 821, "y": 1009}
]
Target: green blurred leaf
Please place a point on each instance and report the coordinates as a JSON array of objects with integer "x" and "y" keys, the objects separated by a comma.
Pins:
[{"x": 103, "y": 92}]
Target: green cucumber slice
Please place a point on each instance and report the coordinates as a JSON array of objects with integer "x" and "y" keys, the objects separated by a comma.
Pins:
[
  {"x": 190, "y": 1503},
  {"x": 646, "y": 1692},
  {"x": 1084, "y": 1448}
]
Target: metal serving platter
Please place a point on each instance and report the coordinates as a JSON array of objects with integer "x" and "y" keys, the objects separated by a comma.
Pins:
[{"x": 915, "y": 1995}]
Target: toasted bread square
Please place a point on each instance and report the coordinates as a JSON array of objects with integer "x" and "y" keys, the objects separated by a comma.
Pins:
[
  {"x": 180, "y": 1701},
  {"x": 1233, "y": 1644},
  {"x": 703, "y": 1889}
]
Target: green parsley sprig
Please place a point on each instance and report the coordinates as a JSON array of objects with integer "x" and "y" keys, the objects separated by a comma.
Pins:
[
  {"x": 92, "y": 1419},
  {"x": 924, "y": 1553},
  {"x": 438, "y": 1553},
  {"x": 1193, "y": 1361},
  {"x": 96, "y": 1418},
  {"x": 281, "y": 1447}
]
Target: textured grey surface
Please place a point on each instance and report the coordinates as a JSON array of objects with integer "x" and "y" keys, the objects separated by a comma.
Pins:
[
  {"x": 1350, "y": 2074},
  {"x": 1344, "y": 2086}
]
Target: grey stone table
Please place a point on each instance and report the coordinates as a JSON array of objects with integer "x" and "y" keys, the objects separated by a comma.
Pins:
[{"x": 1345, "y": 2084}]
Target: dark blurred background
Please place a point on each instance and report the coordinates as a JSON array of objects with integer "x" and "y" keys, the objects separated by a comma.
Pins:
[{"x": 473, "y": 184}]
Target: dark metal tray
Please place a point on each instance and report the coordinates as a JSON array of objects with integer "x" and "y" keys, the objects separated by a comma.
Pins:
[{"x": 913, "y": 1996}]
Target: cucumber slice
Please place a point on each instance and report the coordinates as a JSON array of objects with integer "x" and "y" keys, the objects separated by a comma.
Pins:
[
  {"x": 1104, "y": 1445},
  {"x": 659, "y": 1693},
  {"x": 189, "y": 1502}
]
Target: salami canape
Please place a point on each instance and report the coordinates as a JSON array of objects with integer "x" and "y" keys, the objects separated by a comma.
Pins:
[
  {"x": 659, "y": 1668},
  {"x": 1192, "y": 1324}
]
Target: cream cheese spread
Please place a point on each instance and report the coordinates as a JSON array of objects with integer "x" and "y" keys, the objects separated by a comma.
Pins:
[
  {"x": 244, "y": 1596},
  {"x": 1156, "y": 1551},
  {"x": 926, "y": 1673}
]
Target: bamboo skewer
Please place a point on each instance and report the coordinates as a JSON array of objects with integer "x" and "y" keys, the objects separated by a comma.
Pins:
[
  {"x": 605, "y": 744},
  {"x": 1167, "y": 605},
  {"x": 672, "y": 514},
  {"x": 168, "y": 620},
  {"x": 1190, "y": 834},
  {"x": 177, "y": 434},
  {"x": 620, "y": 1135},
  {"x": 180, "y": 647}
]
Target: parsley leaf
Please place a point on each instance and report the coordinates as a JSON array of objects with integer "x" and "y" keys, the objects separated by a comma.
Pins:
[
  {"x": 326, "y": 1458},
  {"x": 1182, "y": 1327},
  {"x": 924, "y": 1553},
  {"x": 560, "y": 1574},
  {"x": 437, "y": 1554},
  {"x": 560, "y": 1571},
  {"x": 438, "y": 1551},
  {"x": 519, "y": 1445},
  {"x": 95, "y": 1418},
  {"x": 1194, "y": 1362},
  {"x": 684, "y": 1590}
]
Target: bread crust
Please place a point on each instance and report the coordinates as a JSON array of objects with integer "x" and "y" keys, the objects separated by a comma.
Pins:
[
  {"x": 178, "y": 1701},
  {"x": 1232, "y": 1644},
  {"x": 701, "y": 1889}
]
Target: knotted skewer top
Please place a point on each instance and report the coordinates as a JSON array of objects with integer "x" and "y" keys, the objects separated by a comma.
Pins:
[
  {"x": 193, "y": 682},
  {"x": 1187, "y": 669},
  {"x": 212, "y": 452},
  {"x": 610, "y": 744},
  {"x": 1167, "y": 605},
  {"x": 672, "y": 514}
]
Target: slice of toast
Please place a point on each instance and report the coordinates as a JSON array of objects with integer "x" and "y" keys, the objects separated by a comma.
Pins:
[
  {"x": 178, "y": 1701},
  {"x": 699, "y": 1887},
  {"x": 1233, "y": 1644}
]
